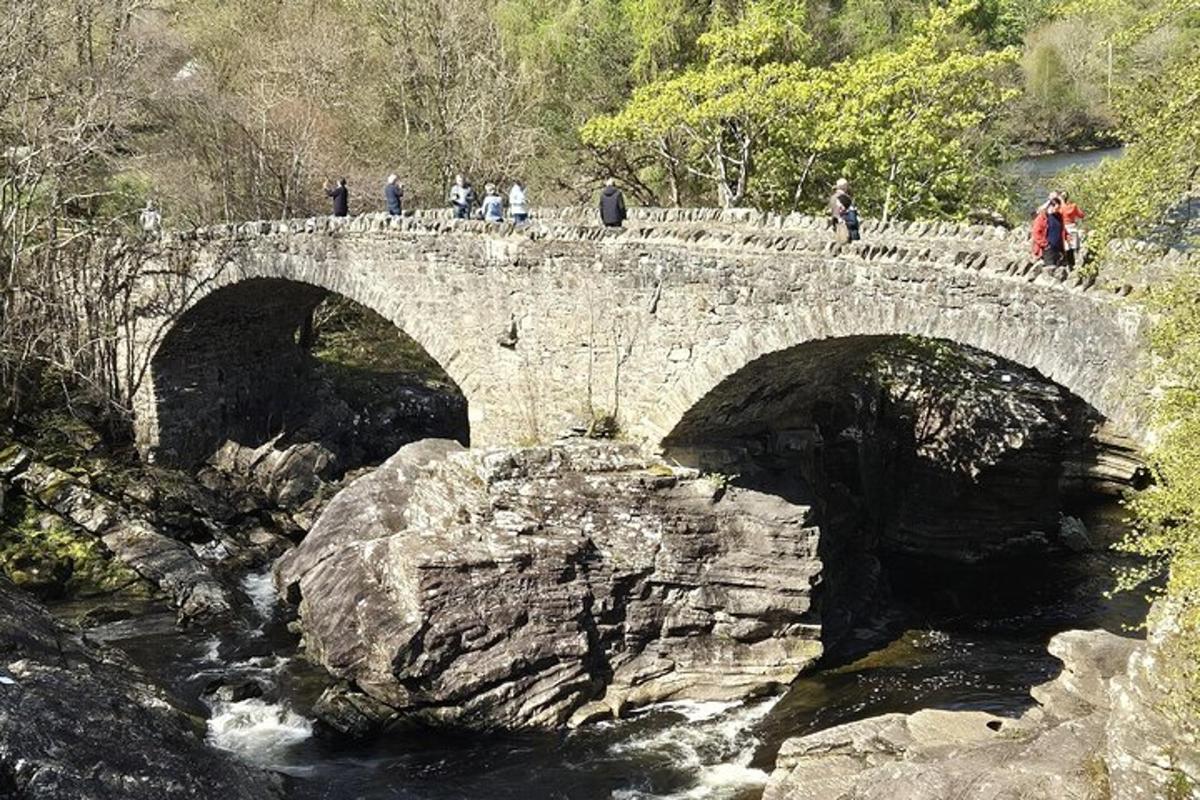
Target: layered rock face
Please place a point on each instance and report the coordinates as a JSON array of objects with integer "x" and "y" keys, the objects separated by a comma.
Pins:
[
  {"x": 550, "y": 585},
  {"x": 78, "y": 721},
  {"x": 1097, "y": 731}
]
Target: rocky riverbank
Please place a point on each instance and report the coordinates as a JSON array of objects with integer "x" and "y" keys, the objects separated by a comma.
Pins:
[
  {"x": 1098, "y": 731},
  {"x": 80, "y": 721}
]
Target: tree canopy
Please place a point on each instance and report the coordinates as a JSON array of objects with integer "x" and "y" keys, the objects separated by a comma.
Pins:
[{"x": 762, "y": 124}]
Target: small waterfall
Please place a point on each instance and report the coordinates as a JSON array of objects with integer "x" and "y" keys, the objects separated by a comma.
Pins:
[
  {"x": 715, "y": 742},
  {"x": 260, "y": 588},
  {"x": 259, "y": 731}
]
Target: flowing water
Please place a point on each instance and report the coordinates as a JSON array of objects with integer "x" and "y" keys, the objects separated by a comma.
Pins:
[{"x": 958, "y": 639}]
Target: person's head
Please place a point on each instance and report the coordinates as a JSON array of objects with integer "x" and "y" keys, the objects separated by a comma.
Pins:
[
  {"x": 458, "y": 180},
  {"x": 393, "y": 178},
  {"x": 490, "y": 188},
  {"x": 610, "y": 182},
  {"x": 1053, "y": 204},
  {"x": 149, "y": 205},
  {"x": 517, "y": 182},
  {"x": 341, "y": 181},
  {"x": 843, "y": 185},
  {"x": 1064, "y": 196}
]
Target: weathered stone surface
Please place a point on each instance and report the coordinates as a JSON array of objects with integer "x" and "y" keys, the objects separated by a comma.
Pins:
[
  {"x": 1098, "y": 731},
  {"x": 1151, "y": 752},
  {"x": 1052, "y": 751},
  {"x": 287, "y": 475},
  {"x": 513, "y": 588},
  {"x": 62, "y": 492},
  {"x": 170, "y": 565},
  {"x": 646, "y": 321},
  {"x": 79, "y": 722}
]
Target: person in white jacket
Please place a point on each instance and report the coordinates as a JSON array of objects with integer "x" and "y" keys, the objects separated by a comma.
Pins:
[{"x": 518, "y": 205}]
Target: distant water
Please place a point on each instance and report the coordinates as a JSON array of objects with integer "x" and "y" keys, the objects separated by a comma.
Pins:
[{"x": 1035, "y": 177}]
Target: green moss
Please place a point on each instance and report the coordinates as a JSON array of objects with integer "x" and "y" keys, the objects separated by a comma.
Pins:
[
  {"x": 41, "y": 553},
  {"x": 1181, "y": 787}
]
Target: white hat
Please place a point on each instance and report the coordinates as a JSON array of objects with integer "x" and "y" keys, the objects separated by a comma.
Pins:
[
  {"x": 842, "y": 183},
  {"x": 393, "y": 177}
]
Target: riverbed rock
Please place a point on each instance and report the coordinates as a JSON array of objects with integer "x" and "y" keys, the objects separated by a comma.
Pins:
[
  {"x": 62, "y": 492},
  {"x": 77, "y": 721},
  {"x": 171, "y": 566},
  {"x": 287, "y": 474},
  {"x": 1098, "y": 731},
  {"x": 517, "y": 588}
]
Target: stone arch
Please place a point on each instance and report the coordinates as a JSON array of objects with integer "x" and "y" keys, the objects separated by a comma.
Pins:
[
  {"x": 225, "y": 364},
  {"x": 1090, "y": 348}
]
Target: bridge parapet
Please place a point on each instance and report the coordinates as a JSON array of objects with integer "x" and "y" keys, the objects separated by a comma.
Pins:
[{"x": 979, "y": 248}]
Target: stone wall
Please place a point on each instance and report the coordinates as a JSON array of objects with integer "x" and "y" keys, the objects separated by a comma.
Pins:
[{"x": 550, "y": 326}]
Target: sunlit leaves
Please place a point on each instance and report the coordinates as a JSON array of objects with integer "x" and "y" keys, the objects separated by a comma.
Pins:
[{"x": 908, "y": 125}]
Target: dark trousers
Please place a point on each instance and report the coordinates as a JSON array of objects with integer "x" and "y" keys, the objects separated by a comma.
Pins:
[
  {"x": 461, "y": 212},
  {"x": 1052, "y": 257}
]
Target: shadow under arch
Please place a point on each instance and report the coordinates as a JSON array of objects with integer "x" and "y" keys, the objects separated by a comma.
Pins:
[
  {"x": 906, "y": 448},
  {"x": 237, "y": 366}
]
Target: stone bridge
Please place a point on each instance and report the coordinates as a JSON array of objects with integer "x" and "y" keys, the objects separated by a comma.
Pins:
[{"x": 682, "y": 322}]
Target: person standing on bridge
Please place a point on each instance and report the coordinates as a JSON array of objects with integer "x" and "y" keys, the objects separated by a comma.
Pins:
[
  {"x": 492, "y": 206},
  {"x": 518, "y": 204},
  {"x": 1072, "y": 215},
  {"x": 393, "y": 193},
  {"x": 612, "y": 205},
  {"x": 843, "y": 216},
  {"x": 340, "y": 196},
  {"x": 462, "y": 197},
  {"x": 1049, "y": 234}
]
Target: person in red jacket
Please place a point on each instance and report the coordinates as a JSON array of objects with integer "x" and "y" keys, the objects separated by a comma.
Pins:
[
  {"x": 1049, "y": 233},
  {"x": 1071, "y": 214}
]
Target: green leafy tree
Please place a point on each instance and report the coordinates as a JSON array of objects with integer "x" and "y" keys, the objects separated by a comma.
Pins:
[
  {"x": 1167, "y": 515},
  {"x": 1160, "y": 123},
  {"x": 761, "y": 125}
]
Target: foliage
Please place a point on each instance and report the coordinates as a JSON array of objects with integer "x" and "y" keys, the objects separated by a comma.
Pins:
[
  {"x": 1168, "y": 513},
  {"x": 1161, "y": 127},
  {"x": 762, "y": 126}
]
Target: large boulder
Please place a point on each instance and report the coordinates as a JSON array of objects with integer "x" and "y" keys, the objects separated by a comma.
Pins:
[
  {"x": 77, "y": 721},
  {"x": 508, "y": 589}
]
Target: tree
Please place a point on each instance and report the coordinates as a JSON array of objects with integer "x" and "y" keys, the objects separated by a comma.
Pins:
[
  {"x": 708, "y": 121},
  {"x": 758, "y": 123},
  {"x": 71, "y": 82},
  {"x": 1160, "y": 123}
]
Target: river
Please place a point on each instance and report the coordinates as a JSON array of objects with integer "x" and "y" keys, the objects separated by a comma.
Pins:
[
  {"x": 1036, "y": 176},
  {"x": 958, "y": 638}
]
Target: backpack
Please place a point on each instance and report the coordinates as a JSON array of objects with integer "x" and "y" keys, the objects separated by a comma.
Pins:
[{"x": 850, "y": 217}]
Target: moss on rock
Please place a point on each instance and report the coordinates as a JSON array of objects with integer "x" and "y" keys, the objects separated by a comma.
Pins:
[{"x": 42, "y": 554}]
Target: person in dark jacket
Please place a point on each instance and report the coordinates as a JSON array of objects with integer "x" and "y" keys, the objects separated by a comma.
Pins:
[
  {"x": 393, "y": 193},
  {"x": 341, "y": 198},
  {"x": 1049, "y": 233},
  {"x": 612, "y": 205}
]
